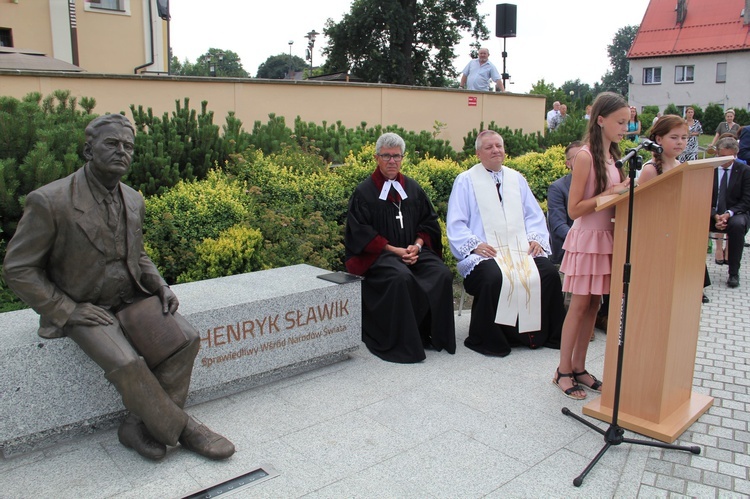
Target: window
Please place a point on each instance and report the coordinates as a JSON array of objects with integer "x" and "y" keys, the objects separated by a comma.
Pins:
[
  {"x": 106, "y": 4},
  {"x": 721, "y": 72},
  {"x": 6, "y": 37},
  {"x": 651, "y": 76},
  {"x": 684, "y": 74},
  {"x": 121, "y": 7}
]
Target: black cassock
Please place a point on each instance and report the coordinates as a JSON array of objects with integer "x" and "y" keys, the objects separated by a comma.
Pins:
[{"x": 405, "y": 308}]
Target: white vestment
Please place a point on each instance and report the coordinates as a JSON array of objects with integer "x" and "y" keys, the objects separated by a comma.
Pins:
[{"x": 475, "y": 215}]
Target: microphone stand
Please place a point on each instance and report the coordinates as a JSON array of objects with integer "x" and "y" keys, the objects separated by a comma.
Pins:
[{"x": 613, "y": 435}]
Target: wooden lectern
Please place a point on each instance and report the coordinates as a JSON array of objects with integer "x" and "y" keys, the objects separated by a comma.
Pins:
[{"x": 668, "y": 256}]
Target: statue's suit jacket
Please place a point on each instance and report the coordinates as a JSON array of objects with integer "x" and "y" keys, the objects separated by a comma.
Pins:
[{"x": 56, "y": 260}]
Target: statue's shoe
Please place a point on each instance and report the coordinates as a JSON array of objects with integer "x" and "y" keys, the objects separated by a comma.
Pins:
[
  {"x": 199, "y": 439},
  {"x": 135, "y": 436}
]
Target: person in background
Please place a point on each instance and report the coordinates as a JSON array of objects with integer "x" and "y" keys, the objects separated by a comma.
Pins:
[
  {"x": 557, "y": 205},
  {"x": 726, "y": 126},
  {"x": 393, "y": 239},
  {"x": 730, "y": 205},
  {"x": 588, "y": 113},
  {"x": 744, "y": 144},
  {"x": 552, "y": 114},
  {"x": 587, "y": 263},
  {"x": 560, "y": 118},
  {"x": 634, "y": 126},
  {"x": 478, "y": 74},
  {"x": 656, "y": 118},
  {"x": 695, "y": 129}
]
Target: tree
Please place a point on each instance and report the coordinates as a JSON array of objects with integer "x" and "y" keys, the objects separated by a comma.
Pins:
[
  {"x": 215, "y": 62},
  {"x": 277, "y": 66},
  {"x": 549, "y": 91},
  {"x": 402, "y": 41},
  {"x": 577, "y": 95},
  {"x": 616, "y": 80}
]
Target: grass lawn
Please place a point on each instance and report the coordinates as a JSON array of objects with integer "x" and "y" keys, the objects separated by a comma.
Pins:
[{"x": 705, "y": 140}]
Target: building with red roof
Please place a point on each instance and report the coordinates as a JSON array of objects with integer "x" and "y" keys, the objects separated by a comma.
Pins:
[{"x": 692, "y": 52}]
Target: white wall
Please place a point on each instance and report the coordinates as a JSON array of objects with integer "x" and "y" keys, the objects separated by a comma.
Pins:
[{"x": 735, "y": 93}]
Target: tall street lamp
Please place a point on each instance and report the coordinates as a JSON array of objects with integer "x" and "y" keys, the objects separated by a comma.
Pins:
[
  {"x": 214, "y": 61},
  {"x": 311, "y": 36},
  {"x": 291, "y": 68}
]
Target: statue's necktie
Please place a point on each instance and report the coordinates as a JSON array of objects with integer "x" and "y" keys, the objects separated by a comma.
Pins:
[{"x": 113, "y": 214}]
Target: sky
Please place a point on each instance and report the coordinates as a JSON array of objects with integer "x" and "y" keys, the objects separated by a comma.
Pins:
[{"x": 557, "y": 40}]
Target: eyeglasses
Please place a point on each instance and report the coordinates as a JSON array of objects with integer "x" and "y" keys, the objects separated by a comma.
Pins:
[{"x": 388, "y": 157}]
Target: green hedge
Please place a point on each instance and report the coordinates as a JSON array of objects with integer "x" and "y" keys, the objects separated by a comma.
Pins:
[{"x": 226, "y": 201}]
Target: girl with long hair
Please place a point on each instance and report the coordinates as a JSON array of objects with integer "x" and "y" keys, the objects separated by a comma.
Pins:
[
  {"x": 634, "y": 126},
  {"x": 587, "y": 263}
]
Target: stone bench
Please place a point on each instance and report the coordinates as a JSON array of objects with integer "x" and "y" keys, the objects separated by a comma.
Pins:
[{"x": 255, "y": 328}]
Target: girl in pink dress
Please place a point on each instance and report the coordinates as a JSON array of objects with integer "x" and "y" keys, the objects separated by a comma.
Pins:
[{"x": 587, "y": 263}]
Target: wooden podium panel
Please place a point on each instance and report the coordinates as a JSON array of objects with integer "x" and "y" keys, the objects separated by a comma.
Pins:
[{"x": 668, "y": 254}]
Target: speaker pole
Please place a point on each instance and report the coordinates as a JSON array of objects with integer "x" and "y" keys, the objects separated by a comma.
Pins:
[{"x": 505, "y": 74}]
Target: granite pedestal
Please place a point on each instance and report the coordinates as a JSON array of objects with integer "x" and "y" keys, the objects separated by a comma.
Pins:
[{"x": 255, "y": 328}]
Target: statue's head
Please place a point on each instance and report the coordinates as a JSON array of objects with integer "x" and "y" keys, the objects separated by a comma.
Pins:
[{"x": 110, "y": 140}]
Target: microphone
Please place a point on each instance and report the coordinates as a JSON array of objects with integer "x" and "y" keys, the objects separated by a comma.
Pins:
[
  {"x": 646, "y": 144},
  {"x": 652, "y": 146}
]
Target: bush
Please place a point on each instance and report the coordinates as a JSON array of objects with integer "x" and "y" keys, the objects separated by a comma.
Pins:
[
  {"x": 440, "y": 174},
  {"x": 568, "y": 131},
  {"x": 41, "y": 140},
  {"x": 540, "y": 169},
  {"x": 698, "y": 115},
  {"x": 183, "y": 146},
  {"x": 293, "y": 235},
  {"x": 741, "y": 116},
  {"x": 234, "y": 251},
  {"x": 713, "y": 115},
  {"x": 180, "y": 219},
  {"x": 516, "y": 142}
]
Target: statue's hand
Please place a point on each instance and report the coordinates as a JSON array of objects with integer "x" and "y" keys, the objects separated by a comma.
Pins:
[
  {"x": 169, "y": 301},
  {"x": 88, "y": 314}
]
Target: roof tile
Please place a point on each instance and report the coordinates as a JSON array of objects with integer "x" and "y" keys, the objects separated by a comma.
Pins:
[{"x": 709, "y": 26}]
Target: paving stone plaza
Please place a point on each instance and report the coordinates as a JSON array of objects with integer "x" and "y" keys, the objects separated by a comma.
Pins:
[{"x": 453, "y": 426}]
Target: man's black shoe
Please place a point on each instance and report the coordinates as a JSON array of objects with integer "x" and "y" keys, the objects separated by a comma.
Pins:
[
  {"x": 733, "y": 281},
  {"x": 705, "y": 299}
]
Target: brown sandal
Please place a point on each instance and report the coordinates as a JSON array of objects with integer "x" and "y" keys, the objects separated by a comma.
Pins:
[{"x": 576, "y": 388}]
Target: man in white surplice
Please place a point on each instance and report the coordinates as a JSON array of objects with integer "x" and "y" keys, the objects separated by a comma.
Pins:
[{"x": 499, "y": 236}]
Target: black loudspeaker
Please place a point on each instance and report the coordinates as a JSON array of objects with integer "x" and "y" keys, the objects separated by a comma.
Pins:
[{"x": 505, "y": 22}]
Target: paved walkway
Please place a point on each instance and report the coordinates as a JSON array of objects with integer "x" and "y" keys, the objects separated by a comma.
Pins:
[{"x": 452, "y": 426}]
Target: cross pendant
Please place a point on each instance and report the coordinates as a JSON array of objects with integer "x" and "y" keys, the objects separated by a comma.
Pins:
[{"x": 400, "y": 218}]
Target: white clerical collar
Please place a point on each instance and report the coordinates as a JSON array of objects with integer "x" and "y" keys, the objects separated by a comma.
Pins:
[{"x": 387, "y": 187}]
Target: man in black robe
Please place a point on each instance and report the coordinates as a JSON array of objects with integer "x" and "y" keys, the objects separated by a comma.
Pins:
[{"x": 393, "y": 239}]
